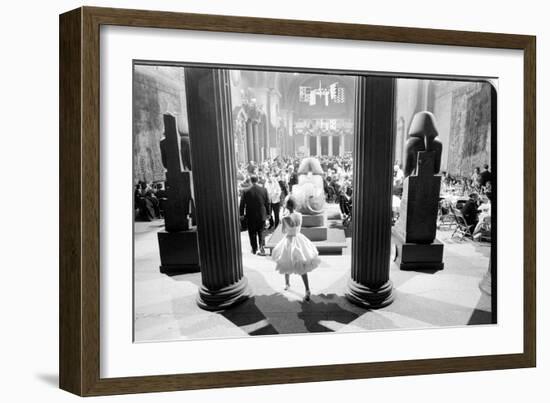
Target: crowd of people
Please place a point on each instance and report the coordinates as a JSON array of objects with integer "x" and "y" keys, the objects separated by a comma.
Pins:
[
  {"x": 472, "y": 197},
  {"x": 478, "y": 182},
  {"x": 278, "y": 176},
  {"x": 275, "y": 178},
  {"x": 148, "y": 200}
]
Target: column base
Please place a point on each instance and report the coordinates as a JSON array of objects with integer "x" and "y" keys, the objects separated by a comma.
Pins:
[
  {"x": 370, "y": 298},
  {"x": 225, "y": 297}
]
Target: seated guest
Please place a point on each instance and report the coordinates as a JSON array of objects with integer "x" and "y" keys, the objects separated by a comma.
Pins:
[
  {"x": 160, "y": 194},
  {"x": 146, "y": 202},
  {"x": 469, "y": 211},
  {"x": 476, "y": 176},
  {"x": 484, "y": 214},
  {"x": 487, "y": 189}
]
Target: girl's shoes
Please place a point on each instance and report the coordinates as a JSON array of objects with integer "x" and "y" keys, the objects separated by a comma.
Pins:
[{"x": 287, "y": 286}]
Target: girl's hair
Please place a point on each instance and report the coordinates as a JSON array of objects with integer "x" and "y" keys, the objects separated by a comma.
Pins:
[{"x": 290, "y": 203}]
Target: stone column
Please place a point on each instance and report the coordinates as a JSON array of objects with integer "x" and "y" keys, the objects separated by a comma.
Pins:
[
  {"x": 249, "y": 142},
  {"x": 306, "y": 145},
  {"x": 263, "y": 136},
  {"x": 318, "y": 145},
  {"x": 214, "y": 173},
  {"x": 330, "y": 145},
  {"x": 256, "y": 141},
  {"x": 341, "y": 151},
  {"x": 370, "y": 285}
]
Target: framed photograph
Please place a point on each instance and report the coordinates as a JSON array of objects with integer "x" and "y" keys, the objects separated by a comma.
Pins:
[{"x": 248, "y": 201}]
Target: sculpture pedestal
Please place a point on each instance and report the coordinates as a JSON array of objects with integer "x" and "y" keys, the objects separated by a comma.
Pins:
[
  {"x": 314, "y": 227},
  {"x": 416, "y": 256},
  {"x": 315, "y": 234},
  {"x": 317, "y": 220},
  {"x": 328, "y": 241},
  {"x": 179, "y": 252},
  {"x": 414, "y": 233}
]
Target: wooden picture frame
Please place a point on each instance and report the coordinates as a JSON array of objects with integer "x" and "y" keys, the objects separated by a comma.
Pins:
[{"x": 79, "y": 200}]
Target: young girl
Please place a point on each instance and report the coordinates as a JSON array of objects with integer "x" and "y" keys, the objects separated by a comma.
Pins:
[{"x": 295, "y": 254}]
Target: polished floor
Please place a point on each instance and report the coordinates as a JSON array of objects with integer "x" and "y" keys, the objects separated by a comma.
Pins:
[{"x": 165, "y": 307}]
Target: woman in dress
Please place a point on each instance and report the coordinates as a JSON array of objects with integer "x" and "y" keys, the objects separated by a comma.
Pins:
[{"x": 295, "y": 253}]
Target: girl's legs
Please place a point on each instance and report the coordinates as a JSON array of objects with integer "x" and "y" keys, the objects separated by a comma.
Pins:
[
  {"x": 306, "y": 285},
  {"x": 287, "y": 281}
]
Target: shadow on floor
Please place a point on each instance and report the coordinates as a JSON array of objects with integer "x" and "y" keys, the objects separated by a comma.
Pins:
[
  {"x": 482, "y": 315},
  {"x": 337, "y": 224},
  {"x": 277, "y": 314},
  {"x": 49, "y": 379},
  {"x": 436, "y": 312}
]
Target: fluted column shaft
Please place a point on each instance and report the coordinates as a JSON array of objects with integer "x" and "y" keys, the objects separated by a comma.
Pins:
[
  {"x": 214, "y": 171},
  {"x": 318, "y": 146},
  {"x": 370, "y": 285},
  {"x": 249, "y": 142},
  {"x": 257, "y": 149}
]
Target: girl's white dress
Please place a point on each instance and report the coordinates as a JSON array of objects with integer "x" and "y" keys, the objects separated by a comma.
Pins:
[{"x": 295, "y": 253}]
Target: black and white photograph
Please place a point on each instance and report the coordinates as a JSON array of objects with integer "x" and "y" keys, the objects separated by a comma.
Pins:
[
  {"x": 271, "y": 202},
  {"x": 242, "y": 201}
]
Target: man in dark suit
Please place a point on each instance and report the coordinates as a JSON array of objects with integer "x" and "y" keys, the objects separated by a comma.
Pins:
[
  {"x": 254, "y": 206},
  {"x": 293, "y": 179},
  {"x": 485, "y": 176}
]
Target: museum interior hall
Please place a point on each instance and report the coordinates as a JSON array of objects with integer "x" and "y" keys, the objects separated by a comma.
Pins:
[{"x": 387, "y": 181}]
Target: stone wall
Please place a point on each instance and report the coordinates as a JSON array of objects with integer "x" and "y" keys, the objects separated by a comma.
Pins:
[
  {"x": 157, "y": 90},
  {"x": 463, "y": 113},
  {"x": 470, "y": 129}
]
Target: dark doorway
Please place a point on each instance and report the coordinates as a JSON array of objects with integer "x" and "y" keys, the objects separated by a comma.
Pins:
[
  {"x": 312, "y": 145},
  {"x": 335, "y": 145},
  {"x": 324, "y": 145}
]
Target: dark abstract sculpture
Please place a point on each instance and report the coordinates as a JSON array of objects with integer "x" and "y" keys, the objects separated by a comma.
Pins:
[
  {"x": 415, "y": 231},
  {"x": 174, "y": 154},
  {"x": 178, "y": 243},
  {"x": 422, "y": 137}
]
